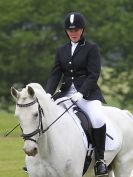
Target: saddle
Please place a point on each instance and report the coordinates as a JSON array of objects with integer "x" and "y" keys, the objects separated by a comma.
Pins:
[
  {"x": 87, "y": 127},
  {"x": 85, "y": 124}
]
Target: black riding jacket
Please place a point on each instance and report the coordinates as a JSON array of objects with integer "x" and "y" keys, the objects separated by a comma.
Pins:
[{"x": 82, "y": 69}]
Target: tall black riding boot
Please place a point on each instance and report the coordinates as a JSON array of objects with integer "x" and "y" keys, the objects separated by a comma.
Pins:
[{"x": 99, "y": 136}]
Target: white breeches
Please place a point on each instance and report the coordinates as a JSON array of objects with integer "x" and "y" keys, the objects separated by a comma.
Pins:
[{"x": 92, "y": 108}]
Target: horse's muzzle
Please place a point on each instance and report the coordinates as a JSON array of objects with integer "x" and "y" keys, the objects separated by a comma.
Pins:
[{"x": 31, "y": 152}]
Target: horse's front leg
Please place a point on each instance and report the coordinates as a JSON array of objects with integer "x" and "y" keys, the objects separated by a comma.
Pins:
[
  {"x": 131, "y": 174},
  {"x": 111, "y": 173},
  {"x": 35, "y": 166},
  {"x": 30, "y": 164}
]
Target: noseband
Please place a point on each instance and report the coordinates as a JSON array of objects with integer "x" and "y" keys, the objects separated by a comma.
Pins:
[{"x": 40, "y": 126}]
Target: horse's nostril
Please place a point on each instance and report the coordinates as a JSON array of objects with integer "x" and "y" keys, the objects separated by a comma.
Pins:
[{"x": 35, "y": 149}]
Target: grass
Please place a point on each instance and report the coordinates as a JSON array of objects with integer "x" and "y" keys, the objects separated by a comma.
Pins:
[
  {"x": 11, "y": 153},
  {"x": 7, "y": 122}
]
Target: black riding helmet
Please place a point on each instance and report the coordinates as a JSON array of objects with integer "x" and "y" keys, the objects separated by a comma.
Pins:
[{"x": 74, "y": 20}]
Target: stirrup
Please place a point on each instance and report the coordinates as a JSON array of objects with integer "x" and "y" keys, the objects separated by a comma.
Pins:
[{"x": 98, "y": 171}]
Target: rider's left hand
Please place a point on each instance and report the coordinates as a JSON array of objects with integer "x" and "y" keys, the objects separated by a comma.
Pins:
[
  {"x": 50, "y": 96},
  {"x": 77, "y": 96}
]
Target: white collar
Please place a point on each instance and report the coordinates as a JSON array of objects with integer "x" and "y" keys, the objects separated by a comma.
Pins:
[{"x": 74, "y": 44}]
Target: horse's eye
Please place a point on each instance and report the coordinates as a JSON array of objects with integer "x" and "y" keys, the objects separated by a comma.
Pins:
[{"x": 36, "y": 115}]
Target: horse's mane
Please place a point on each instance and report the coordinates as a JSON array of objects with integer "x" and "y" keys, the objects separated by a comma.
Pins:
[
  {"x": 36, "y": 87},
  {"x": 43, "y": 98}
]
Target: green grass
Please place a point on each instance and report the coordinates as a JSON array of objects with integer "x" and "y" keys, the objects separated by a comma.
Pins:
[
  {"x": 7, "y": 122},
  {"x": 11, "y": 153}
]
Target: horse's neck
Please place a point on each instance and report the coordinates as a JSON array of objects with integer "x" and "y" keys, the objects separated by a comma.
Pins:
[
  {"x": 44, "y": 149},
  {"x": 52, "y": 143},
  {"x": 48, "y": 141},
  {"x": 51, "y": 110}
]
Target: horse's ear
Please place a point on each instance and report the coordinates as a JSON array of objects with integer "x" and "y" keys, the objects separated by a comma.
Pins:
[
  {"x": 31, "y": 91},
  {"x": 14, "y": 93}
]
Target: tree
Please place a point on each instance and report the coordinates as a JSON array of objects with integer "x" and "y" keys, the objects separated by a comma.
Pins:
[
  {"x": 30, "y": 32},
  {"x": 28, "y": 40}
]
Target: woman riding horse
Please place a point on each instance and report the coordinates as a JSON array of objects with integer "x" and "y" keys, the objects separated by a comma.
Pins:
[{"x": 79, "y": 63}]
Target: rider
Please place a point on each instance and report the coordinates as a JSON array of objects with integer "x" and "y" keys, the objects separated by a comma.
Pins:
[{"x": 79, "y": 63}]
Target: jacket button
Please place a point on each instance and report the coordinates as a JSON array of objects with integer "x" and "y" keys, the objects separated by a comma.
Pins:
[
  {"x": 72, "y": 78},
  {"x": 71, "y": 70},
  {"x": 70, "y": 62}
]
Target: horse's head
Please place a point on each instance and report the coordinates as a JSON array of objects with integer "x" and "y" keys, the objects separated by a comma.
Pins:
[{"x": 29, "y": 114}]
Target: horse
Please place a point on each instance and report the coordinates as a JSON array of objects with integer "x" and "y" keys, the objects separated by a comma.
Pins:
[
  {"x": 131, "y": 174},
  {"x": 53, "y": 143}
]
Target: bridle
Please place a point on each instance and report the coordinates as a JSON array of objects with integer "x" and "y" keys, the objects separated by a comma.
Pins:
[{"x": 39, "y": 129}]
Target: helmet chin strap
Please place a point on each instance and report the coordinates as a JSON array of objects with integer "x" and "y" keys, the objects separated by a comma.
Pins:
[{"x": 82, "y": 34}]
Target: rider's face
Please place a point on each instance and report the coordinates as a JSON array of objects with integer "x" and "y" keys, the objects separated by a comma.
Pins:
[{"x": 74, "y": 34}]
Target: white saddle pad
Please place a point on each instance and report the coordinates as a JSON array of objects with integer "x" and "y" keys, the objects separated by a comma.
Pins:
[{"x": 111, "y": 140}]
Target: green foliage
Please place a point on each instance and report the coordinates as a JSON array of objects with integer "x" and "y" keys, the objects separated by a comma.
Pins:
[
  {"x": 114, "y": 34},
  {"x": 30, "y": 32}
]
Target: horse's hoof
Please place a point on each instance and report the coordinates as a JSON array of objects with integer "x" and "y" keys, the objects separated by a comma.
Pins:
[{"x": 25, "y": 169}]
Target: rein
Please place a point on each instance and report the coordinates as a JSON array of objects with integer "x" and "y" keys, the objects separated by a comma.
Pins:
[
  {"x": 40, "y": 129},
  {"x": 59, "y": 116}
]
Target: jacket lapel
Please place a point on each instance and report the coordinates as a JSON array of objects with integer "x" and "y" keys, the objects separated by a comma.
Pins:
[
  {"x": 68, "y": 51},
  {"x": 80, "y": 45},
  {"x": 77, "y": 49}
]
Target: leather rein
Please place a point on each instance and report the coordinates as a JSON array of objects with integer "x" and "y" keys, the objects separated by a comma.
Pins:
[{"x": 39, "y": 129}]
